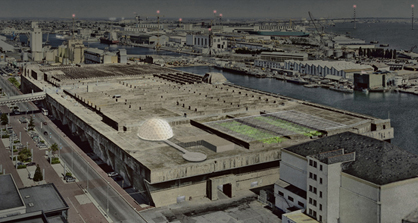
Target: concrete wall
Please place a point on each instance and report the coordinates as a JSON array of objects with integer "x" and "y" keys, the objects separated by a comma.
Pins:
[
  {"x": 12, "y": 211},
  {"x": 331, "y": 202},
  {"x": 398, "y": 200},
  {"x": 167, "y": 197},
  {"x": 358, "y": 200},
  {"x": 293, "y": 169}
]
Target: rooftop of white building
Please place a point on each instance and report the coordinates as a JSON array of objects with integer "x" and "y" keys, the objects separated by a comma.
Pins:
[{"x": 375, "y": 161}]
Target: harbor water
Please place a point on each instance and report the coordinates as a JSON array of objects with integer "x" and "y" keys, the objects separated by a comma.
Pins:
[
  {"x": 401, "y": 108},
  {"x": 399, "y": 36},
  {"x": 55, "y": 42}
]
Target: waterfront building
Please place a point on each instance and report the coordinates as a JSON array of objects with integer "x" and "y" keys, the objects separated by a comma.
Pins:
[
  {"x": 161, "y": 40},
  {"x": 122, "y": 56},
  {"x": 97, "y": 56},
  {"x": 268, "y": 64},
  {"x": 6, "y": 47},
  {"x": 220, "y": 138},
  {"x": 375, "y": 80},
  {"x": 283, "y": 56},
  {"x": 205, "y": 44},
  {"x": 322, "y": 68},
  {"x": 71, "y": 53},
  {"x": 348, "y": 178},
  {"x": 252, "y": 46}
]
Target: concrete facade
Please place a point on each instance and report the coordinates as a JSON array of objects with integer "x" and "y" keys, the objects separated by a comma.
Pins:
[
  {"x": 86, "y": 104},
  {"x": 343, "y": 186},
  {"x": 36, "y": 42}
]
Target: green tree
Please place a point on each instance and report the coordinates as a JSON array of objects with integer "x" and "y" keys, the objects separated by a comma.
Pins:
[
  {"x": 38, "y": 174},
  {"x": 54, "y": 148},
  {"x": 4, "y": 120},
  {"x": 31, "y": 123}
]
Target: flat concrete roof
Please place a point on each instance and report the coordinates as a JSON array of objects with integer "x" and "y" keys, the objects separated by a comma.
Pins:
[
  {"x": 44, "y": 198},
  {"x": 146, "y": 96},
  {"x": 9, "y": 193},
  {"x": 376, "y": 161}
]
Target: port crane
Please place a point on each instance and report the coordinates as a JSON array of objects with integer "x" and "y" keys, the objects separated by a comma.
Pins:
[{"x": 321, "y": 40}]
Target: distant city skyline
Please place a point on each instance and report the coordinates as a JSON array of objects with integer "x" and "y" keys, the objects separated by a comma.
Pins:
[{"x": 204, "y": 9}]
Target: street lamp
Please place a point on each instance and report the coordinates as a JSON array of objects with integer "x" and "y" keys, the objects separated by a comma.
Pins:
[
  {"x": 107, "y": 198},
  {"x": 59, "y": 152},
  {"x": 412, "y": 8}
]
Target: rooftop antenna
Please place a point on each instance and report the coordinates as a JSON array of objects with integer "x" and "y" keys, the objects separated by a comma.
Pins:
[
  {"x": 412, "y": 22},
  {"x": 214, "y": 14},
  {"x": 158, "y": 34},
  {"x": 180, "y": 19},
  {"x": 220, "y": 18},
  {"x": 73, "y": 26},
  {"x": 210, "y": 40},
  {"x": 354, "y": 8}
]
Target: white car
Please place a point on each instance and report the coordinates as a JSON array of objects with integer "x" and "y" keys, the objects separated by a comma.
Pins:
[{"x": 112, "y": 174}]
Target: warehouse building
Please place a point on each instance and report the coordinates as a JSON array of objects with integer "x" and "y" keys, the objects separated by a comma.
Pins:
[{"x": 206, "y": 136}]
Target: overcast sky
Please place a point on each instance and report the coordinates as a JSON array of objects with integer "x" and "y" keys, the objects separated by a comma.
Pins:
[{"x": 204, "y": 8}]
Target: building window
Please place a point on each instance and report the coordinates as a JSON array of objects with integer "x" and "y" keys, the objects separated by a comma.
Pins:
[
  {"x": 320, "y": 217},
  {"x": 314, "y": 214},
  {"x": 301, "y": 204},
  {"x": 310, "y": 211},
  {"x": 312, "y": 201},
  {"x": 320, "y": 194},
  {"x": 290, "y": 198},
  {"x": 320, "y": 207},
  {"x": 312, "y": 189},
  {"x": 312, "y": 176},
  {"x": 320, "y": 167},
  {"x": 320, "y": 180},
  {"x": 281, "y": 194}
]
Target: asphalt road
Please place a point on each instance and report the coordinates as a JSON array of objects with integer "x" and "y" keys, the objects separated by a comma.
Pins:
[{"x": 99, "y": 187}]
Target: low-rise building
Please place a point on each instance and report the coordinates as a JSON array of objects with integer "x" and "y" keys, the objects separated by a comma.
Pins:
[
  {"x": 42, "y": 203},
  {"x": 204, "y": 41},
  {"x": 282, "y": 56},
  {"x": 375, "y": 80},
  {"x": 323, "y": 68},
  {"x": 348, "y": 178},
  {"x": 98, "y": 56}
]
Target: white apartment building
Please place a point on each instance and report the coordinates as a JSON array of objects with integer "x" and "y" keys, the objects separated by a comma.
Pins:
[
  {"x": 203, "y": 41},
  {"x": 348, "y": 178}
]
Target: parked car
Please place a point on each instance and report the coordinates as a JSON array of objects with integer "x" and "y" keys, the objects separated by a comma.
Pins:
[
  {"x": 31, "y": 164},
  {"x": 45, "y": 133},
  {"x": 70, "y": 179},
  {"x": 112, "y": 174},
  {"x": 45, "y": 123}
]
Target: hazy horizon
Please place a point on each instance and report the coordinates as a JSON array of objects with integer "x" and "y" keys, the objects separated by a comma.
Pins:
[{"x": 230, "y": 9}]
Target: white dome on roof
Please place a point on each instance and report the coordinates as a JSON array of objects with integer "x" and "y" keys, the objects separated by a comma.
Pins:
[{"x": 155, "y": 129}]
